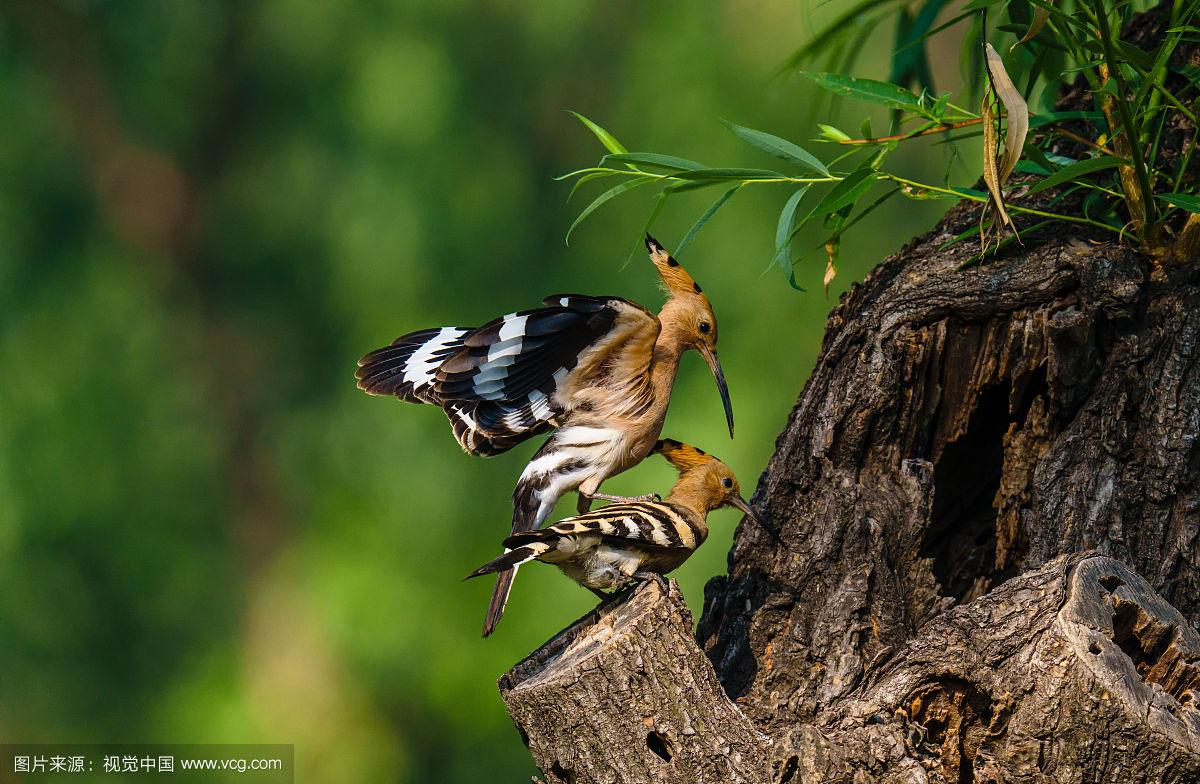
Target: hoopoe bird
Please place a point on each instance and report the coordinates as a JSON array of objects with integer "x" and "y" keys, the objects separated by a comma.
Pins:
[
  {"x": 643, "y": 540},
  {"x": 597, "y": 370}
]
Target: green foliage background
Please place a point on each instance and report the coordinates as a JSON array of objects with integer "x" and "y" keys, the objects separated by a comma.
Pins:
[{"x": 207, "y": 534}]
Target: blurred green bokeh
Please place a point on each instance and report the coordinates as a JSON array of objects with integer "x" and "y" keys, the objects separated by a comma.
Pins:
[{"x": 208, "y": 211}]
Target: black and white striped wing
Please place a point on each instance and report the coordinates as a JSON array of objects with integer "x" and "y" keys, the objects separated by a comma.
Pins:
[
  {"x": 513, "y": 376},
  {"x": 408, "y": 367},
  {"x": 490, "y": 428},
  {"x": 648, "y": 525}
]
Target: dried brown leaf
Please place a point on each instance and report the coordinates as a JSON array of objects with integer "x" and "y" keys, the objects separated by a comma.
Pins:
[
  {"x": 831, "y": 248},
  {"x": 1040, "y": 17},
  {"x": 991, "y": 172},
  {"x": 1014, "y": 106}
]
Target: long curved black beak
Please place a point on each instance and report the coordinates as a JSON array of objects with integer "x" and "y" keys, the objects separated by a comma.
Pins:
[
  {"x": 714, "y": 364},
  {"x": 744, "y": 507}
]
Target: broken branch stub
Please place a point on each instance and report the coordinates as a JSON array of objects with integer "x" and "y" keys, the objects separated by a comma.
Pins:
[{"x": 626, "y": 695}]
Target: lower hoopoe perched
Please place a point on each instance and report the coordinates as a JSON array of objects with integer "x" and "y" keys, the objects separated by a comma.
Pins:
[{"x": 607, "y": 548}]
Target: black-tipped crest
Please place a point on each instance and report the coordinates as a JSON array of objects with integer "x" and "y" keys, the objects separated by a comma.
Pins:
[
  {"x": 683, "y": 456},
  {"x": 655, "y": 248},
  {"x": 675, "y": 278}
]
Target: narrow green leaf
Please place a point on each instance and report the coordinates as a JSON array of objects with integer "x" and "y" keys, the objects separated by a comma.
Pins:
[
  {"x": 855, "y": 16},
  {"x": 958, "y": 137},
  {"x": 581, "y": 172},
  {"x": 1184, "y": 201},
  {"x": 833, "y": 134},
  {"x": 970, "y": 231},
  {"x": 938, "y": 110},
  {"x": 834, "y": 220},
  {"x": 1045, "y": 118},
  {"x": 1040, "y": 17},
  {"x": 704, "y": 219},
  {"x": 607, "y": 139},
  {"x": 670, "y": 162},
  {"x": 1059, "y": 160},
  {"x": 783, "y": 232},
  {"x": 1047, "y": 164},
  {"x": 910, "y": 60},
  {"x": 617, "y": 190},
  {"x": 969, "y": 192},
  {"x": 1139, "y": 58},
  {"x": 971, "y": 58},
  {"x": 693, "y": 185},
  {"x": 1032, "y": 167},
  {"x": 587, "y": 178},
  {"x": 1096, "y": 205},
  {"x": 1002, "y": 243},
  {"x": 881, "y": 153},
  {"x": 1078, "y": 169},
  {"x": 842, "y": 229},
  {"x": 890, "y": 95},
  {"x": 1157, "y": 69},
  {"x": 939, "y": 28},
  {"x": 780, "y": 148},
  {"x": 730, "y": 174},
  {"x": 845, "y": 192}
]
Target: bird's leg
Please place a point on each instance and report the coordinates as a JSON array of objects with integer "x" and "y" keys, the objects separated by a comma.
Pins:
[
  {"x": 652, "y": 577},
  {"x": 625, "y": 499},
  {"x": 590, "y": 491},
  {"x": 601, "y": 595}
]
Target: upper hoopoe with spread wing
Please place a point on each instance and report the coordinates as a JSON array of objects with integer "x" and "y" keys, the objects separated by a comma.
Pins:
[
  {"x": 598, "y": 369},
  {"x": 624, "y": 541}
]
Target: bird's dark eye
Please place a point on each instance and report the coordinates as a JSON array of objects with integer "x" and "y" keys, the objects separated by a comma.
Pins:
[
  {"x": 727, "y": 482},
  {"x": 705, "y": 327}
]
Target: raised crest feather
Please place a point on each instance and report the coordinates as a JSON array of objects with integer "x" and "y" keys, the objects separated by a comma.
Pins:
[
  {"x": 675, "y": 278},
  {"x": 682, "y": 456}
]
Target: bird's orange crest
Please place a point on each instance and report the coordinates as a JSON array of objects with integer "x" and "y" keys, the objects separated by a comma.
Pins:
[
  {"x": 682, "y": 456},
  {"x": 675, "y": 278}
]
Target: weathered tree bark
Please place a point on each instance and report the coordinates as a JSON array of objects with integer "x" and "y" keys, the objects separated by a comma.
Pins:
[
  {"x": 981, "y": 465},
  {"x": 1074, "y": 672}
]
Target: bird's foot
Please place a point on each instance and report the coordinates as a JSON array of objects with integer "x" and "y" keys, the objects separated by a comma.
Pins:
[
  {"x": 626, "y": 499},
  {"x": 652, "y": 577}
]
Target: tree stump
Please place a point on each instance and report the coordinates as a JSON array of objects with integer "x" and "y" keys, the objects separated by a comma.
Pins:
[{"x": 626, "y": 695}]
